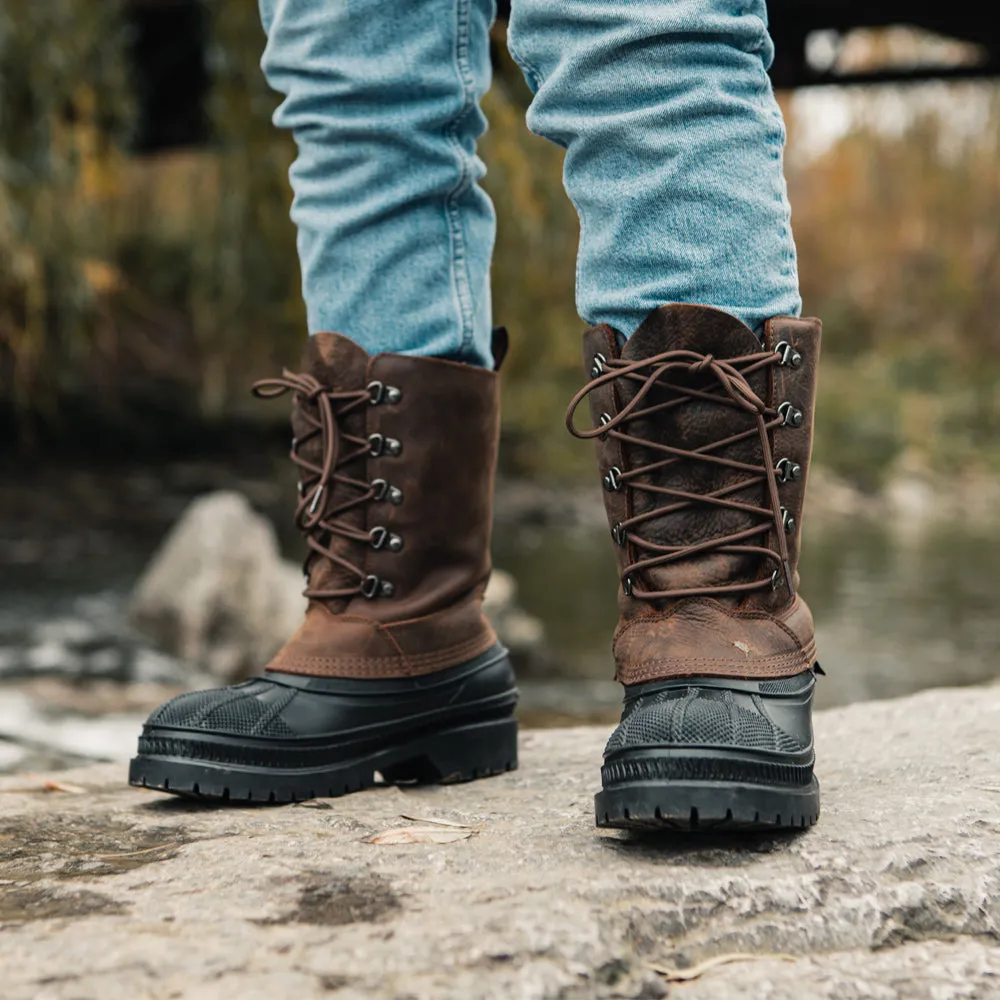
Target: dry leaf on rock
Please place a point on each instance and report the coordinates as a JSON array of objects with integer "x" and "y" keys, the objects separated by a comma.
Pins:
[
  {"x": 420, "y": 835},
  {"x": 50, "y": 785},
  {"x": 47, "y": 785},
  {"x": 434, "y": 821},
  {"x": 696, "y": 971}
]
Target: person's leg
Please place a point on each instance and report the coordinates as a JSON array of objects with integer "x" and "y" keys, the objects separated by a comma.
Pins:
[
  {"x": 395, "y": 233},
  {"x": 701, "y": 396},
  {"x": 394, "y": 669},
  {"x": 674, "y": 148}
]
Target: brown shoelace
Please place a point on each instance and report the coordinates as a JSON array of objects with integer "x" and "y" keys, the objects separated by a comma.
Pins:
[
  {"x": 731, "y": 376},
  {"x": 317, "y": 483}
]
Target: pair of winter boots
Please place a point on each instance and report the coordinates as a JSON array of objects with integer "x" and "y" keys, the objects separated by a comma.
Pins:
[{"x": 703, "y": 433}]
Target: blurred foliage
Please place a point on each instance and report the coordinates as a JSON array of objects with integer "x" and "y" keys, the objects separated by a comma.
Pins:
[
  {"x": 126, "y": 279},
  {"x": 63, "y": 102},
  {"x": 174, "y": 276},
  {"x": 900, "y": 255}
]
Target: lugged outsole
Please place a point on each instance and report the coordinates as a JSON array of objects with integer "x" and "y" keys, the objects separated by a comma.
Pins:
[
  {"x": 464, "y": 753},
  {"x": 692, "y": 806}
]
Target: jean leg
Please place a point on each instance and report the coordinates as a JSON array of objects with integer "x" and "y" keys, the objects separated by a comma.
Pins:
[
  {"x": 674, "y": 146},
  {"x": 395, "y": 234}
]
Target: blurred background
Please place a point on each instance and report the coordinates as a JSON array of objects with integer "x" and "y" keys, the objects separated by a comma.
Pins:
[{"x": 148, "y": 275}]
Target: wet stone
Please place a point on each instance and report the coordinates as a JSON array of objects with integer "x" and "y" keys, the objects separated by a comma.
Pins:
[
  {"x": 22, "y": 905},
  {"x": 334, "y": 902}
]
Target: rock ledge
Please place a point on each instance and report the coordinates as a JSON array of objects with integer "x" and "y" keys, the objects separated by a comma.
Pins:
[{"x": 896, "y": 893}]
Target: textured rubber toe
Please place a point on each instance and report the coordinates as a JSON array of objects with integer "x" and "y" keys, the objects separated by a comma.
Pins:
[{"x": 711, "y": 753}]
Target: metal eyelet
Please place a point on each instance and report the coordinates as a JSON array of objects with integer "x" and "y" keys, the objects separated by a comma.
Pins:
[
  {"x": 382, "y": 393},
  {"x": 787, "y": 521},
  {"x": 613, "y": 480},
  {"x": 379, "y": 444},
  {"x": 598, "y": 366},
  {"x": 619, "y": 534},
  {"x": 790, "y": 416},
  {"x": 372, "y": 587},
  {"x": 627, "y": 586},
  {"x": 383, "y": 491},
  {"x": 776, "y": 580},
  {"x": 790, "y": 358},
  {"x": 380, "y": 536},
  {"x": 787, "y": 470},
  {"x": 604, "y": 419}
]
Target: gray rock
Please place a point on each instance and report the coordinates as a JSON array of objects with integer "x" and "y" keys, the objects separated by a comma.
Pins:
[
  {"x": 151, "y": 667},
  {"x": 51, "y": 656},
  {"x": 217, "y": 593},
  {"x": 12, "y": 756},
  {"x": 895, "y": 894},
  {"x": 521, "y": 633}
]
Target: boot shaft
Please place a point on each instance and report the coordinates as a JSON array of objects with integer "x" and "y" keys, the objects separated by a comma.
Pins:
[
  {"x": 397, "y": 457},
  {"x": 684, "y": 447},
  {"x": 414, "y": 496}
]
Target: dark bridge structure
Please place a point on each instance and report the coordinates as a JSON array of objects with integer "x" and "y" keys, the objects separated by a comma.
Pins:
[
  {"x": 976, "y": 22},
  {"x": 172, "y": 79}
]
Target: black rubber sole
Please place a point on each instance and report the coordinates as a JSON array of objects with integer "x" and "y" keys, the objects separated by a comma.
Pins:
[
  {"x": 460, "y": 753},
  {"x": 707, "y": 805}
]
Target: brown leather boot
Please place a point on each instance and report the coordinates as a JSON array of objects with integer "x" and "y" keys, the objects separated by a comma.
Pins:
[
  {"x": 703, "y": 438},
  {"x": 394, "y": 669}
]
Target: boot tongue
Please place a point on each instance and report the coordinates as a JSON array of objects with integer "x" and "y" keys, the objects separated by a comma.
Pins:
[
  {"x": 692, "y": 425},
  {"x": 341, "y": 366},
  {"x": 336, "y": 361},
  {"x": 691, "y": 328}
]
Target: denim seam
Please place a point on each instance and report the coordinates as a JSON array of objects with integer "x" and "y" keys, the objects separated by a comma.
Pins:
[
  {"x": 765, "y": 96},
  {"x": 461, "y": 279}
]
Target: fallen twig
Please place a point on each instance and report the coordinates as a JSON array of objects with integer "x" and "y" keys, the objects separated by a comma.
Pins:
[
  {"x": 696, "y": 971},
  {"x": 420, "y": 835},
  {"x": 434, "y": 821},
  {"x": 145, "y": 850}
]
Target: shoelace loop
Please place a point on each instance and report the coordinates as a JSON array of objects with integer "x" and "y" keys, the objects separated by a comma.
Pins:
[
  {"x": 323, "y": 409},
  {"x": 731, "y": 377}
]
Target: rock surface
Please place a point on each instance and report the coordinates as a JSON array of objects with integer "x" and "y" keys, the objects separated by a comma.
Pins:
[
  {"x": 896, "y": 894},
  {"x": 217, "y": 593}
]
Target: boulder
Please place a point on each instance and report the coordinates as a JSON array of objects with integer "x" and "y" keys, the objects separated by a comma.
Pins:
[
  {"x": 895, "y": 895},
  {"x": 523, "y": 634},
  {"x": 217, "y": 593}
]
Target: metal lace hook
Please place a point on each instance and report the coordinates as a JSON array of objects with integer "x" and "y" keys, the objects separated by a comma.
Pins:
[{"x": 773, "y": 496}]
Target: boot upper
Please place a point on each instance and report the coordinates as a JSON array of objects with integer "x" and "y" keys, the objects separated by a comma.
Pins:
[
  {"x": 703, "y": 433},
  {"x": 396, "y": 457}
]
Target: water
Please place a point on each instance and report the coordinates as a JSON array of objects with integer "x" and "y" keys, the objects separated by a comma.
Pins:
[{"x": 895, "y": 613}]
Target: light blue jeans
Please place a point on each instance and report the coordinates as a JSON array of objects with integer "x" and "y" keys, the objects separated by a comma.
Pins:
[{"x": 673, "y": 143}]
